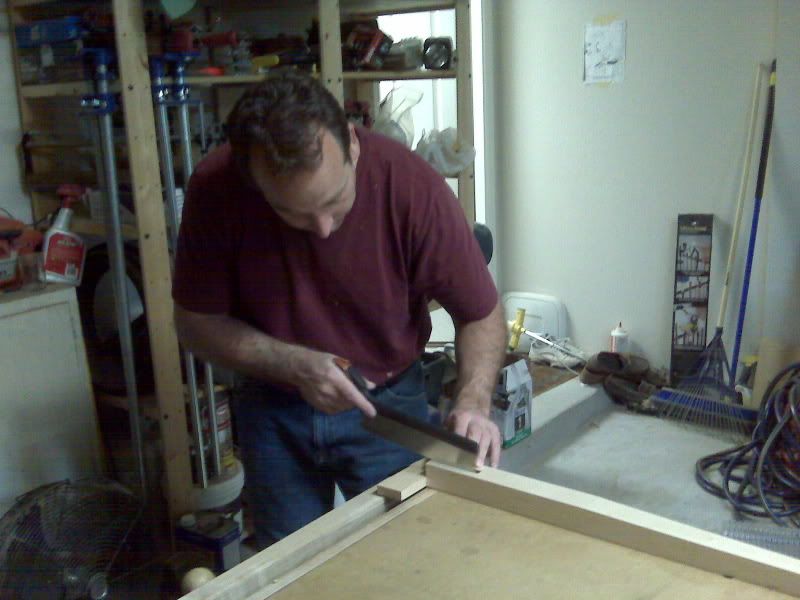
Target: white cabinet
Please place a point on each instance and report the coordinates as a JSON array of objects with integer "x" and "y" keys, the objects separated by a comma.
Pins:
[{"x": 48, "y": 429}]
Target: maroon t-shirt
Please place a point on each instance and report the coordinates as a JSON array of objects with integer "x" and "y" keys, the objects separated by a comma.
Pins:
[{"x": 363, "y": 292}]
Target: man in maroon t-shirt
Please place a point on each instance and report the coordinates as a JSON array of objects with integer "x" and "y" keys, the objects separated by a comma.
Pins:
[{"x": 305, "y": 239}]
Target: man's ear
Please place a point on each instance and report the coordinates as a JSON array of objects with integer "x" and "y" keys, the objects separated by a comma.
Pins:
[{"x": 355, "y": 145}]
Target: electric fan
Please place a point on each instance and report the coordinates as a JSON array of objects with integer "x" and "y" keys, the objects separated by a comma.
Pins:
[{"x": 62, "y": 540}]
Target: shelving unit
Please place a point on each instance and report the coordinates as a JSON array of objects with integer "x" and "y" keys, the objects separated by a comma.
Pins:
[{"x": 36, "y": 101}]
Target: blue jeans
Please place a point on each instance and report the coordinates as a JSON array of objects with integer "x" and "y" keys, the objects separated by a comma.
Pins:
[{"x": 293, "y": 454}]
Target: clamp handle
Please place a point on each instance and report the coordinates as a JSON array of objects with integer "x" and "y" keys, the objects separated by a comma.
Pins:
[{"x": 516, "y": 329}]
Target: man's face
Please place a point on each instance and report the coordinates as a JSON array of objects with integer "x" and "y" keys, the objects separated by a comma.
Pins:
[{"x": 316, "y": 201}]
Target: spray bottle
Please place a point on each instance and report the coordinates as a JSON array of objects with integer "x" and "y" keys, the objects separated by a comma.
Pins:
[{"x": 64, "y": 252}]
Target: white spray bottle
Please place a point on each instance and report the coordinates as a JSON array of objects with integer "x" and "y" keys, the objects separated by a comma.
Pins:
[{"x": 63, "y": 251}]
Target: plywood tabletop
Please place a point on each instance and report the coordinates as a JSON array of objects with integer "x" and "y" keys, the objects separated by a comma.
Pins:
[{"x": 450, "y": 548}]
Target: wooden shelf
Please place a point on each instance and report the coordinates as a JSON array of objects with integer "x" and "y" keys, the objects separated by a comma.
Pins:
[
  {"x": 148, "y": 404},
  {"x": 225, "y": 79},
  {"x": 365, "y": 8},
  {"x": 84, "y": 226},
  {"x": 52, "y": 90},
  {"x": 398, "y": 75},
  {"x": 25, "y": 3},
  {"x": 375, "y": 8},
  {"x": 80, "y": 88}
]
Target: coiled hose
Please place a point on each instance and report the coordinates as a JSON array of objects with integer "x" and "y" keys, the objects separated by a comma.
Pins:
[{"x": 762, "y": 477}]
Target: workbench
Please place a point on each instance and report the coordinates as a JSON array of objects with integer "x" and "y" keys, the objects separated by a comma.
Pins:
[{"x": 439, "y": 532}]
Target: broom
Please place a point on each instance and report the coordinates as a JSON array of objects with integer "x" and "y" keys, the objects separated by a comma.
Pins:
[{"x": 706, "y": 396}]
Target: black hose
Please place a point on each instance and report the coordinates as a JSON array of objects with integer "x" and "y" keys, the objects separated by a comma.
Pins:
[{"x": 762, "y": 477}]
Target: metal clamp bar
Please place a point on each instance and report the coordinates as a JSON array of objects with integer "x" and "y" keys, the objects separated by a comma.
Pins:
[
  {"x": 161, "y": 100},
  {"x": 102, "y": 105}
]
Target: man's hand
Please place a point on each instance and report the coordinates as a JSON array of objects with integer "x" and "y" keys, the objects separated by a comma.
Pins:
[
  {"x": 324, "y": 385},
  {"x": 475, "y": 425},
  {"x": 480, "y": 348}
]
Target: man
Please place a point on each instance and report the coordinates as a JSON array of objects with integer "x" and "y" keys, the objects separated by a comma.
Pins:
[{"x": 305, "y": 239}]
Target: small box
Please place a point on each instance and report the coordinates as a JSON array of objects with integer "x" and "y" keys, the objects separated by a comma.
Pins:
[
  {"x": 214, "y": 532},
  {"x": 690, "y": 293},
  {"x": 512, "y": 403}
]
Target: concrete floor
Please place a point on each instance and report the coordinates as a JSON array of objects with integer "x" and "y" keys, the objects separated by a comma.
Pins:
[{"x": 583, "y": 441}]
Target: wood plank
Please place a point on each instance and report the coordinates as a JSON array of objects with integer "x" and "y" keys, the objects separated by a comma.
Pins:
[
  {"x": 225, "y": 79},
  {"x": 330, "y": 36},
  {"x": 375, "y": 8},
  {"x": 147, "y": 404},
  {"x": 157, "y": 279},
  {"x": 606, "y": 520},
  {"x": 398, "y": 75},
  {"x": 449, "y": 548},
  {"x": 321, "y": 558},
  {"x": 267, "y": 566},
  {"x": 79, "y": 88},
  {"x": 404, "y": 484},
  {"x": 86, "y": 226},
  {"x": 464, "y": 118},
  {"x": 401, "y": 486}
]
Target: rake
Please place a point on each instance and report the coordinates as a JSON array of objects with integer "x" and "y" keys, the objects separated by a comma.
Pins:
[{"x": 706, "y": 396}]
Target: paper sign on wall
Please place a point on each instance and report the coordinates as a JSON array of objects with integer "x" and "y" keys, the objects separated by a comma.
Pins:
[{"x": 604, "y": 53}]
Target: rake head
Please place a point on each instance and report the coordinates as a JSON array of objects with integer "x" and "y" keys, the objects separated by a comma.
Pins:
[{"x": 705, "y": 398}]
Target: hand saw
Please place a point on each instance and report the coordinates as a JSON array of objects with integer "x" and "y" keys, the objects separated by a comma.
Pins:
[{"x": 410, "y": 432}]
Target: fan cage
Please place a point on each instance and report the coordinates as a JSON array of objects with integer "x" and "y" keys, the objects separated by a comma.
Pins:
[{"x": 60, "y": 536}]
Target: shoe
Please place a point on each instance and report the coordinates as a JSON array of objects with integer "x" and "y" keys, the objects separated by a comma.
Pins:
[
  {"x": 634, "y": 397},
  {"x": 543, "y": 353},
  {"x": 625, "y": 365}
]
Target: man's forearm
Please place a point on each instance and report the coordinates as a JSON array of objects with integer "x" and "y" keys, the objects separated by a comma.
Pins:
[
  {"x": 233, "y": 344},
  {"x": 480, "y": 348}
]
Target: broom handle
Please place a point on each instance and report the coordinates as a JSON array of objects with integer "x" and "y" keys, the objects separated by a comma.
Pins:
[
  {"x": 751, "y": 134},
  {"x": 762, "y": 174}
]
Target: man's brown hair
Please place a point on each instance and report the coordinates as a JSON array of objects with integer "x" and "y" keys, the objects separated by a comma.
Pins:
[{"x": 284, "y": 115}]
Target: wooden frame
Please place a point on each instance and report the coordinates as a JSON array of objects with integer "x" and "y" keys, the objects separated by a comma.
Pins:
[{"x": 285, "y": 562}]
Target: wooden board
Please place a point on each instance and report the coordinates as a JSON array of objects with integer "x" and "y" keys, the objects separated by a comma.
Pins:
[
  {"x": 495, "y": 534},
  {"x": 466, "y": 125},
  {"x": 773, "y": 356},
  {"x": 141, "y": 136},
  {"x": 620, "y": 524},
  {"x": 447, "y": 547}
]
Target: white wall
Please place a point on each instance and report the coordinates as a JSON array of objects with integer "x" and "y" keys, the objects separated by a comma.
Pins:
[
  {"x": 590, "y": 179},
  {"x": 11, "y": 195},
  {"x": 782, "y": 321}
]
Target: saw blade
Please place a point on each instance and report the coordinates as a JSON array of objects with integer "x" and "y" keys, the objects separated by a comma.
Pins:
[{"x": 423, "y": 438}]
